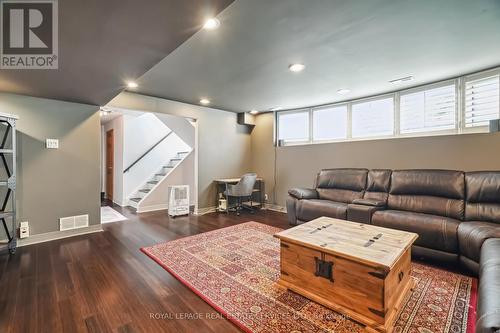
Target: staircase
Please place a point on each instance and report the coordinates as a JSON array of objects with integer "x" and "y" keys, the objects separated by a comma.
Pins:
[{"x": 157, "y": 178}]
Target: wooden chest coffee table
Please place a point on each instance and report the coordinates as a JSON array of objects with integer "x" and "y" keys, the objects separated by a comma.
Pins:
[{"x": 359, "y": 270}]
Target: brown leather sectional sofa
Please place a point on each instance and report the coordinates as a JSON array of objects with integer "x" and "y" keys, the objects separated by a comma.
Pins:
[{"x": 456, "y": 215}]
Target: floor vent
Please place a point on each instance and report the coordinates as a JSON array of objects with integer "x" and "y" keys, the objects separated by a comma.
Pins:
[{"x": 73, "y": 222}]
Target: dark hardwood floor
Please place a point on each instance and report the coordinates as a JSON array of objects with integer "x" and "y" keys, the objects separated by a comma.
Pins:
[{"x": 101, "y": 282}]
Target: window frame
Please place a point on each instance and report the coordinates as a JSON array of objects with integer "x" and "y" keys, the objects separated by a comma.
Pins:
[
  {"x": 464, "y": 79},
  {"x": 429, "y": 87},
  {"x": 294, "y": 142},
  {"x": 459, "y": 129},
  {"x": 375, "y": 98},
  {"x": 324, "y": 107}
]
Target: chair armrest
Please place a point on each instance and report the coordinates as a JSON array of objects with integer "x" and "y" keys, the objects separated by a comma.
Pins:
[
  {"x": 303, "y": 193},
  {"x": 370, "y": 202}
]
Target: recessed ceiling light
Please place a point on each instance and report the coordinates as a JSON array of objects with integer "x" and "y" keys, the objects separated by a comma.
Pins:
[
  {"x": 132, "y": 84},
  {"x": 343, "y": 91},
  {"x": 205, "y": 101},
  {"x": 401, "y": 80},
  {"x": 275, "y": 109},
  {"x": 104, "y": 111},
  {"x": 254, "y": 112},
  {"x": 211, "y": 24},
  {"x": 296, "y": 67}
]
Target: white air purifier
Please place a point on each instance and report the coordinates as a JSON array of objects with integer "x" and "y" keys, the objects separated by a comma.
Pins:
[{"x": 178, "y": 200}]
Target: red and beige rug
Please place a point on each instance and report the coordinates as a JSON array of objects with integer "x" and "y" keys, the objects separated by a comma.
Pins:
[{"x": 234, "y": 269}]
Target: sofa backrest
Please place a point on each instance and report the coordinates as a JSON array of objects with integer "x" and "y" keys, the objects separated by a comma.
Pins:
[
  {"x": 482, "y": 190},
  {"x": 436, "y": 192},
  {"x": 341, "y": 185},
  {"x": 378, "y": 184}
]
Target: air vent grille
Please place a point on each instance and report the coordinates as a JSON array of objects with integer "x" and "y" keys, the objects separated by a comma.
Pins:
[{"x": 73, "y": 222}]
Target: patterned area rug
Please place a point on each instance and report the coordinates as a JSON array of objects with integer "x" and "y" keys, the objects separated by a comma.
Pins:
[{"x": 234, "y": 269}]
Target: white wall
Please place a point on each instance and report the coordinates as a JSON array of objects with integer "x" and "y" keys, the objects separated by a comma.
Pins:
[
  {"x": 181, "y": 126},
  {"x": 140, "y": 173},
  {"x": 181, "y": 175},
  {"x": 224, "y": 147},
  {"x": 135, "y": 132}
]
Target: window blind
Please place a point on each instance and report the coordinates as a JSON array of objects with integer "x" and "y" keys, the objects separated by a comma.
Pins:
[
  {"x": 330, "y": 123},
  {"x": 373, "y": 118},
  {"x": 293, "y": 127},
  {"x": 482, "y": 102},
  {"x": 428, "y": 110}
]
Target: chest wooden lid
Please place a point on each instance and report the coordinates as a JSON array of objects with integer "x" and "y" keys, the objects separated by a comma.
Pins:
[{"x": 368, "y": 244}]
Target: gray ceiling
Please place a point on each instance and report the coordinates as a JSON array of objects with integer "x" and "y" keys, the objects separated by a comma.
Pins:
[
  {"x": 355, "y": 44},
  {"x": 104, "y": 43}
]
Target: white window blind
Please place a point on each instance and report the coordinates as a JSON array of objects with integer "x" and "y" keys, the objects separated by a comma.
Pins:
[
  {"x": 330, "y": 123},
  {"x": 373, "y": 118},
  {"x": 428, "y": 110},
  {"x": 293, "y": 127},
  {"x": 482, "y": 100}
]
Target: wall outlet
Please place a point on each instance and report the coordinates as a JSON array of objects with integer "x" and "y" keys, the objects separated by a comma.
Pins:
[
  {"x": 266, "y": 197},
  {"x": 24, "y": 230},
  {"x": 52, "y": 143}
]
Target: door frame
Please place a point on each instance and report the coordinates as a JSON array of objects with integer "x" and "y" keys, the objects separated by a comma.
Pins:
[{"x": 110, "y": 134}]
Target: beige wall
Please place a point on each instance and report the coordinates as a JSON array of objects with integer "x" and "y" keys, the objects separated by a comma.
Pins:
[
  {"x": 297, "y": 165},
  {"x": 55, "y": 183},
  {"x": 224, "y": 146}
]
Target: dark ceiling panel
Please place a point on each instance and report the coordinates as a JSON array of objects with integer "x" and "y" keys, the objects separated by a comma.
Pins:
[
  {"x": 358, "y": 45},
  {"x": 104, "y": 43}
]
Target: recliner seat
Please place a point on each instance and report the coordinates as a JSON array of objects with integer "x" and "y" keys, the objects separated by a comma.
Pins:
[
  {"x": 455, "y": 214},
  {"x": 334, "y": 190},
  {"x": 429, "y": 203}
]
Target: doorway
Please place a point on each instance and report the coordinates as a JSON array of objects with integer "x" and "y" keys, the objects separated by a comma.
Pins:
[
  {"x": 110, "y": 151},
  {"x": 143, "y": 154}
]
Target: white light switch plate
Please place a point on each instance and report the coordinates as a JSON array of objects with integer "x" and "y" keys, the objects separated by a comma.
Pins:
[{"x": 52, "y": 143}]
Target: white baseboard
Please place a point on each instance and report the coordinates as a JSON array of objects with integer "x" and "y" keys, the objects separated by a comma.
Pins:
[
  {"x": 49, "y": 236},
  {"x": 275, "y": 208},
  {"x": 206, "y": 210},
  {"x": 152, "y": 208}
]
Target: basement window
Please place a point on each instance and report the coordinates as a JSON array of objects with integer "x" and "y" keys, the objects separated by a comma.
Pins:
[{"x": 462, "y": 105}]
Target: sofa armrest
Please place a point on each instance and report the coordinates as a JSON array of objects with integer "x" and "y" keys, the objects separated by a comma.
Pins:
[
  {"x": 488, "y": 304},
  {"x": 370, "y": 202},
  {"x": 471, "y": 236},
  {"x": 303, "y": 193},
  {"x": 361, "y": 213}
]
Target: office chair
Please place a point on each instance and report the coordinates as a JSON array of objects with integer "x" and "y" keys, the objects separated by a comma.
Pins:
[{"x": 242, "y": 190}]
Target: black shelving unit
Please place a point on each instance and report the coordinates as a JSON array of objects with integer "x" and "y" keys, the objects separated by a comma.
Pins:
[{"x": 8, "y": 179}]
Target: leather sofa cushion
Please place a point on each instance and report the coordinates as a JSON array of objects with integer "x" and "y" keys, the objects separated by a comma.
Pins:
[
  {"x": 427, "y": 205},
  {"x": 378, "y": 184},
  {"x": 471, "y": 236},
  {"x": 488, "y": 305},
  {"x": 435, "y": 232},
  {"x": 439, "y": 183},
  {"x": 347, "y": 179},
  {"x": 341, "y": 185},
  {"x": 308, "y": 210},
  {"x": 345, "y": 196},
  {"x": 436, "y": 192},
  {"x": 482, "y": 196}
]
